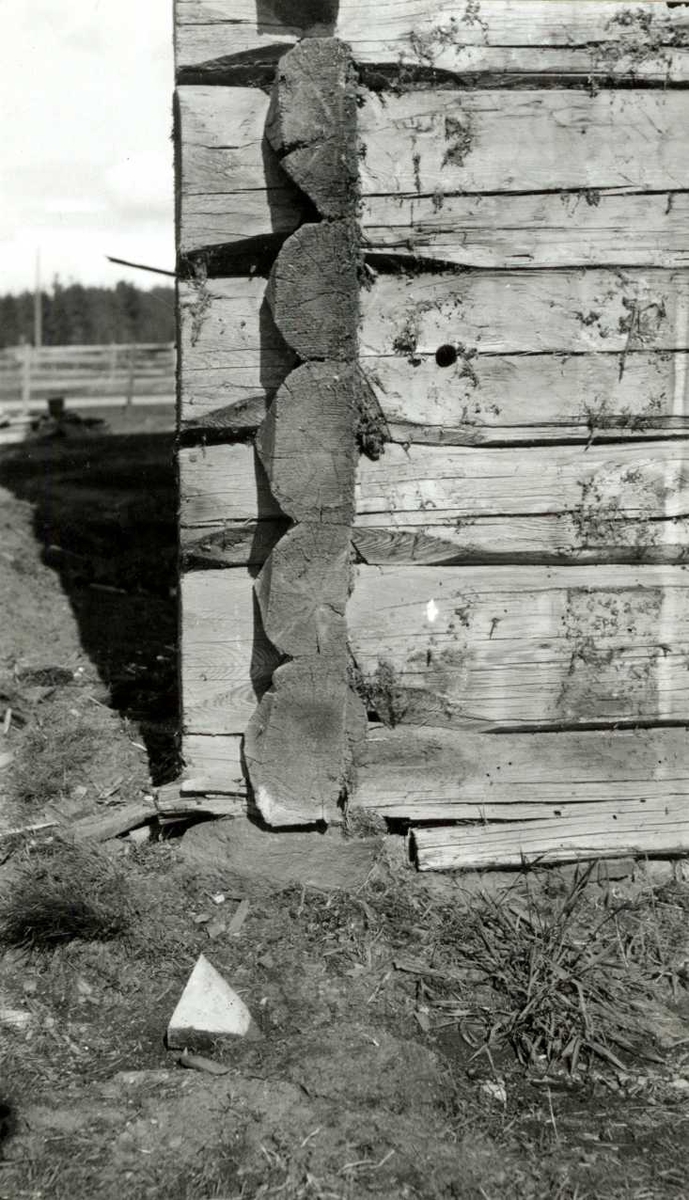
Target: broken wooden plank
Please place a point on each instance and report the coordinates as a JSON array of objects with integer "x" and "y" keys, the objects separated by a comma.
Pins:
[
  {"x": 569, "y": 229},
  {"x": 477, "y": 399},
  {"x": 232, "y": 185},
  {"x": 511, "y": 647},
  {"x": 502, "y": 312},
  {"x": 421, "y": 774},
  {"x": 227, "y": 662},
  {"x": 431, "y": 141},
  {"x": 103, "y": 826},
  {"x": 232, "y": 358},
  {"x": 568, "y": 839},
  {"x": 599, "y": 39}
]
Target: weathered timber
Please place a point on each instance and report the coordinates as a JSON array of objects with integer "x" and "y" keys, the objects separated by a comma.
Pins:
[
  {"x": 441, "y": 774},
  {"x": 312, "y": 124},
  {"x": 302, "y": 591},
  {"x": 433, "y": 504},
  {"x": 227, "y": 662},
  {"x": 479, "y": 399},
  {"x": 660, "y": 830},
  {"x": 599, "y": 39},
  {"x": 307, "y": 445},
  {"x": 491, "y": 141},
  {"x": 566, "y": 229},
  {"x": 501, "y": 312},
  {"x": 507, "y": 647},
  {"x": 232, "y": 185},
  {"x": 213, "y": 764},
  {"x": 232, "y": 358},
  {"x": 313, "y": 290},
  {"x": 297, "y": 744}
]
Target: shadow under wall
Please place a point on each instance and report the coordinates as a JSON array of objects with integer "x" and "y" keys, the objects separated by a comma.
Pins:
[{"x": 298, "y": 17}]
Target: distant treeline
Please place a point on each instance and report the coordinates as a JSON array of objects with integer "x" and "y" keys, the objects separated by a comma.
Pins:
[{"x": 77, "y": 315}]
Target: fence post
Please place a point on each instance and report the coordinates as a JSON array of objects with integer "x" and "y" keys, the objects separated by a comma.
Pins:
[
  {"x": 26, "y": 376},
  {"x": 130, "y": 378}
]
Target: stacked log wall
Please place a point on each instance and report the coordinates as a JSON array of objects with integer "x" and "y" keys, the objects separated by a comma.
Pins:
[{"x": 506, "y": 580}]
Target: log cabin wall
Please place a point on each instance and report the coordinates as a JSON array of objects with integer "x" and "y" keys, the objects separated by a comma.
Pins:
[{"x": 434, "y": 340}]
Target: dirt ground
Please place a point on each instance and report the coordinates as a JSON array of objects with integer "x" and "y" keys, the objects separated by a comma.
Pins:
[{"x": 371, "y": 1076}]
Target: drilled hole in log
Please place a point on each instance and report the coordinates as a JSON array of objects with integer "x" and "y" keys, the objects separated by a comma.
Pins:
[{"x": 446, "y": 356}]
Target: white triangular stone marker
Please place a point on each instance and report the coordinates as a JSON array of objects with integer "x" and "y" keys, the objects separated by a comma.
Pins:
[{"x": 207, "y": 1007}]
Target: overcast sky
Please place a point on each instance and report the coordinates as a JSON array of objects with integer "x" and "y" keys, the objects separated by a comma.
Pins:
[{"x": 85, "y": 150}]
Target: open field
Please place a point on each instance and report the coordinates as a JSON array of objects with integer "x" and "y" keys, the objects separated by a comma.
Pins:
[{"x": 396, "y": 1013}]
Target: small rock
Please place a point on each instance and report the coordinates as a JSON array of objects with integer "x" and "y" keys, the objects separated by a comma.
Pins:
[
  {"x": 141, "y": 835},
  {"x": 208, "y": 1009},
  {"x": 215, "y": 927},
  {"x": 495, "y": 1089}
]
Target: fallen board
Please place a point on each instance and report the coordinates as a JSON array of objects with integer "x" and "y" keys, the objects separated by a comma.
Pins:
[
  {"x": 661, "y": 831},
  {"x": 234, "y": 39},
  {"x": 512, "y": 647},
  {"x": 444, "y": 775}
]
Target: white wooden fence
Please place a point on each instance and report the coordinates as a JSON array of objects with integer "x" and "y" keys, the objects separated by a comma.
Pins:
[{"x": 91, "y": 375}]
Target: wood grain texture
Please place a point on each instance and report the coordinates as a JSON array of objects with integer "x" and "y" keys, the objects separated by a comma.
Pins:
[
  {"x": 223, "y": 483},
  {"x": 213, "y": 764},
  {"x": 569, "y": 229},
  {"x": 646, "y": 41},
  {"x": 306, "y": 442},
  {"x": 500, "y": 647},
  {"x": 442, "y": 774},
  {"x": 606, "y": 502},
  {"x": 656, "y": 830},
  {"x": 231, "y": 184},
  {"x": 302, "y": 591},
  {"x": 232, "y": 358},
  {"x": 501, "y": 312},
  {"x": 488, "y": 398},
  {"x": 313, "y": 290},
  {"x": 312, "y": 124},
  {"x": 492, "y": 141},
  {"x": 227, "y": 662}
]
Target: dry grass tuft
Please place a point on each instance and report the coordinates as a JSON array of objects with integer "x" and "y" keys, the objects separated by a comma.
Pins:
[
  {"x": 63, "y": 892},
  {"x": 50, "y": 760}
]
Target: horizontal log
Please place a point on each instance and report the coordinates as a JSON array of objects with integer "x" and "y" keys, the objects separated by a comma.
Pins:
[
  {"x": 501, "y": 398},
  {"x": 441, "y": 774},
  {"x": 501, "y": 312},
  {"x": 569, "y": 229},
  {"x": 232, "y": 358},
  {"x": 232, "y": 185},
  {"x": 662, "y": 830},
  {"x": 491, "y": 141},
  {"x": 595, "y": 38},
  {"x": 212, "y": 764},
  {"x": 433, "y": 504},
  {"x": 227, "y": 662},
  {"x": 505, "y": 647}
]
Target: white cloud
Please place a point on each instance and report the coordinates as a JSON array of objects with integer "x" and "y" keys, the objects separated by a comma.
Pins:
[{"x": 85, "y": 156}]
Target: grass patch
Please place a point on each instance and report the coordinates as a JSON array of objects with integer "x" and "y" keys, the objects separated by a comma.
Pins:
[
  {"x": 63, "y": 892},
  {"x": 51, "y": 759}
]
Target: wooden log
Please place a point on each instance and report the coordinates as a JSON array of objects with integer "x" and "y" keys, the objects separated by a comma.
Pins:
[
  {"x": 223, "y": 483},
  {"x": 512, "y": 647},
  {"x": 501, "y": 398},
  {"x": 296, "y": 744},
  {"x": 569, "y": 229},
  {"x": 307, "y": 446},
  {"x": 312, "y": 124},
  {"x": 313, "y": 290},
  {"x": 214, "y": 764},
  {"x": 231, "y": 544},
  {"x": 303, "y": 588},
  {"x": 502, "y": 312},
  {"x": 232, "y": 358},
  {"x": 657, "y": 831},
  {"x": 227, "y": 662},
  {"x": 420, "y": 774},
  {"x": 232, "y": 185},
  {"x": 491, "y": 141},
  {"x": 599, "y": 39}
]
